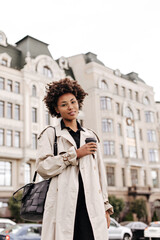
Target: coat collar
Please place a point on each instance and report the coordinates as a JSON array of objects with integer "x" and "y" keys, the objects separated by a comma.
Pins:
[{"x": 65, "y": 134}]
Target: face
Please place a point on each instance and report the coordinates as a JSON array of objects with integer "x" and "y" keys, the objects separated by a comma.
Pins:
[{"x": 67, "y": 106}]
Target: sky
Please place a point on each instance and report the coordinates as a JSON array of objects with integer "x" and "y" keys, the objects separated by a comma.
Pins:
[{"x": 124, "y": 34}]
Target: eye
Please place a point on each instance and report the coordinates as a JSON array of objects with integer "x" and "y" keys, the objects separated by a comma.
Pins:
[
  {"x": 64, "y": 105},
  {"x": 73, "y": 102}
]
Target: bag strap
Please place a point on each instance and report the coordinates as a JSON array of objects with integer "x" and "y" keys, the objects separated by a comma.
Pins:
[
  {"x": 55, "y": 152},
  {"x": 35, "y": 174}
]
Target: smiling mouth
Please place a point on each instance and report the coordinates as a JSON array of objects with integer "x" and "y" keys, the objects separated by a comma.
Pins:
[{"x": 72, "y": 113}]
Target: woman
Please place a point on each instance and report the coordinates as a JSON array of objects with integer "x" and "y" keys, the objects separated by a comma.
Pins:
[{"x": 76, "y": 206}]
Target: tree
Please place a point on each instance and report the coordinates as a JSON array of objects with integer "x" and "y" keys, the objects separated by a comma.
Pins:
[
  {"x": 118, "y": 205},
  {"x": 14, "y": 207},
  {"x": 138, "y": 206}
]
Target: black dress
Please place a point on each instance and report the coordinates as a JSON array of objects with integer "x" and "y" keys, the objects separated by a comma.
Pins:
[{"x": 82, "y": 227}]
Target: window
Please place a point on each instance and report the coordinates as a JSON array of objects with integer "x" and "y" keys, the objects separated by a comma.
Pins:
[
  {"x": 144, "y": 178},
  {"x": 151, "y": 136},
  {"x": 34, "y": 115},
  {"x": 17, "y": 87},
  {"x": 116, "y": 89},
  {"x": 34, "y": 91},
  {"x": 17, "y": 112},
  {"x": 1, "y": 83},
  {"x": 149, "y": 116},
  {"x": 47, "y": 118},
  {"x": 5, "y": 173},
  {"x": 4, "y": 62},
  {"x": 128, "y": 113},
  {"x": 140, "y": 134},
  {"x": 141, "y": 153},
  {"x": 146, "y": 101},
  {"x": 1, "y": 137},
  {"x": 9, "y": 85},
  {"x": 154, "y": 174},
  {"x": 105, "y": 103},
  {"x": 153, "y": 155},
  {"x": 1, "y": 109},
  {"x": 17, "y": 139},
  {"x": 138, "y": 115},
  {"x": 123, "y": 177},
  {"x": 136, "y": 96},
  {"x": 107, "y": 125},
  {"x": 103, "y": 84},
  {"x": 34, "y": 141},
  {"x": 117, "y": 108},
  {"x": 9, "y": 138},
  {"x": 9, "y": 110},
  {"x": 111, "y": 176},
  {"x": 132, "y": 151},
  {"x": 121, "y": 151},
  {"x": 109, "y": 148},
  {"x": 130, "y": 132},
  {"x": 27, "y": 170},
  {"x": 119, "y": 129},
  {"x": 123, "y": 91},
  {"x": 130, "y": 93},
  {"x": 47, "y": 72},
  {"x": 134, "y": 177}
]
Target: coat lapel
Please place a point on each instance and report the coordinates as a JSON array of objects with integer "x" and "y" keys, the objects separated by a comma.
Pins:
[{"x": 65, "y": 134}]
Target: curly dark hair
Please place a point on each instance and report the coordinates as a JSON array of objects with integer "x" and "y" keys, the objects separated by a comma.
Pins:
[{"x": 58, "y": 88}]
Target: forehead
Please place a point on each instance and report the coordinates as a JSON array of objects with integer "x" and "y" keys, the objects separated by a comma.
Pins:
[{"x": 66, "y": 97}]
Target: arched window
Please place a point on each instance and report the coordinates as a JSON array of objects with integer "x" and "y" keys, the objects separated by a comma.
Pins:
[
  {"x": 34, "y": 91},
  {"x": 146, "y": 101},
  {"x": 47, "y": 72},
  {"x": 128, "y": 113},
  {"x": 103, "y": 84}
]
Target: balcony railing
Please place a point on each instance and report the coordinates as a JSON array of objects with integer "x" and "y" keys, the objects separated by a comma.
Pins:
[{"x": 136, "y": 190}]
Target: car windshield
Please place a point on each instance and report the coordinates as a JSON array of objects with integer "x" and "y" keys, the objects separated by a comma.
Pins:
[
  {"x": 155, "y": 224},
  {"x": 13, "y": 229}
]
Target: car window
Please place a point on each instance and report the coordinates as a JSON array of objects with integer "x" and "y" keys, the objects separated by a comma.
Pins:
[
  {"x": 155, "y": 225},
  {"x": 112, "y": 224},
  {"x": 34, "y": 231}
]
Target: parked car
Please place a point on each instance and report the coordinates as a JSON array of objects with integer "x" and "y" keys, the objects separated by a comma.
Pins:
[
  {"x": 152, "y": 231},
  {"x": 5, "y": 223},
  {"x": 22, "y": 232},
  {"x": 116, "y": 231},
  {"x": 137, "y": 229}
]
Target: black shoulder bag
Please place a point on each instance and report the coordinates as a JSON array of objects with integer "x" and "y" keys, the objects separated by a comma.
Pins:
[{"x": 34, "y": 196}]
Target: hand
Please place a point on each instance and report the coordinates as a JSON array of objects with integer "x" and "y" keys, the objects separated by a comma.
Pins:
[
  {"x": 108, "y": 219},
  {"x": 86, "y": 149}
]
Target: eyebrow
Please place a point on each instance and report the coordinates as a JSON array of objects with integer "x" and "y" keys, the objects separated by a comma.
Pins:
[{"x": 70, "y": 100}]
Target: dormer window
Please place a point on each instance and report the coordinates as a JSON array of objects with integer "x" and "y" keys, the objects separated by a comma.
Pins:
[
  {"x": 3, "y": 39},
  {"x": 47, "y": 72},
  {"x": 146, "y": 101},
  {"x": 4, "y": 62}
]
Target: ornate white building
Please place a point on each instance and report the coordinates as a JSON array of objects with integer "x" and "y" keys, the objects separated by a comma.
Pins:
[{"x": 120, "y": 108}]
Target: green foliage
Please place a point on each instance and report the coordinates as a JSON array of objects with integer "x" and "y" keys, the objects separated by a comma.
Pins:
[
  {"x": 154, "y": 217},
  {"x": 14, "y": 207},
  {"x": 118, "y": 205},
  {"x": 128, "y": 217},
  {"x": 139, "y": 207}
]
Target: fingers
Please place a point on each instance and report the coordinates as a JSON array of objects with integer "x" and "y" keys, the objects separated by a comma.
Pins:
[
  {"x": 92, "y": 147},
  {"x": 108, "y": 219}
]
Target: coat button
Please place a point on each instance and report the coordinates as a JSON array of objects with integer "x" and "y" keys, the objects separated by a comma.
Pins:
[
  {"x": 94, "y": 167},
  {"x": 99, "y": 190}
]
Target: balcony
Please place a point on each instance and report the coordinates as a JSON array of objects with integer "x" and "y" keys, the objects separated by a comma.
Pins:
[{"x": 141, "y": 191}]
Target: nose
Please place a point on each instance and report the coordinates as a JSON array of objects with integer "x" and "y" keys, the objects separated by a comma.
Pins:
[{"x": 70, "y": 106}]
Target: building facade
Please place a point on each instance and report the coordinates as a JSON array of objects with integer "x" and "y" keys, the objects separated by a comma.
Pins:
[{"x": 120, "y": 108}]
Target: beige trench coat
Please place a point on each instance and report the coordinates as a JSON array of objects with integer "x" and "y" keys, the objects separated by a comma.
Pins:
[{"x": 60, "y": 205}]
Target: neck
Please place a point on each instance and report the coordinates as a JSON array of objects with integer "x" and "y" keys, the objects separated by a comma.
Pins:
[{"x": 71, "y": 124}]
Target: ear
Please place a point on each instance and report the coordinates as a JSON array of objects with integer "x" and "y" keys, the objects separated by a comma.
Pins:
[{"x": 56, "y": 109}]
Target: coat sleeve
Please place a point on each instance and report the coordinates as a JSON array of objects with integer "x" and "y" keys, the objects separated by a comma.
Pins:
[
  {"x": 48, "y": 165},
  {"x": 103, "y": 181}
]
